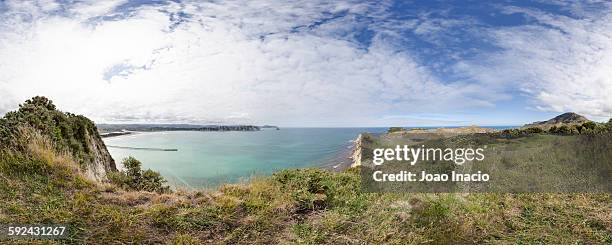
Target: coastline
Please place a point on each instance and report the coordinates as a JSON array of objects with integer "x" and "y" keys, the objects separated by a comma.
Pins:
[
  {"x": 348, "y": 158},
  {"x": 115, "y": 134},
  {"x": 352, "y": 154}
]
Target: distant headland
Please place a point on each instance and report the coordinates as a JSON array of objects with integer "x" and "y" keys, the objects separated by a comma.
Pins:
[{"x": 111, "y": 130}]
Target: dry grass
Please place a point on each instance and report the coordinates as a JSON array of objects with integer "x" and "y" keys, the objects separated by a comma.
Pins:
[
  {"x": 42, "y": 148},
  {"x": 293, "y": 206}
]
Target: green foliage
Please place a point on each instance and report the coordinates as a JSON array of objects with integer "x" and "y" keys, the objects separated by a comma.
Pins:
[
  {"x": 185, "y": 239},
  {"x": 564, "y": 129},
  {"x": 281, "y": 209},
  {"x": 587, "y": 128},
  {"x": 395, "y": 129},
  {"x": 308, "y": 188},
  {"x": 516, "y": 133},
  {"x": 533, "y": 130},
  {"x": 134, "y": 178},
  {"x": 68, "y": 131},
  {"x": 589, "y": 125}
]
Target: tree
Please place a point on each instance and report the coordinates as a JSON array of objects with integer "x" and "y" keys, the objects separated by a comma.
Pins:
[
  {"x": 39, "y": 101},
  {"x": 134, "y": 178},
  {"x": 133, "y": 170}
]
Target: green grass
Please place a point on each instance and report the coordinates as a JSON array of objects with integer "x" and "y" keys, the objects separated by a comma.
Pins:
[
  {"x": 304, "y": 206},
  {"x": 307, "y": 206},
  {"x": 533, "y": 163}
]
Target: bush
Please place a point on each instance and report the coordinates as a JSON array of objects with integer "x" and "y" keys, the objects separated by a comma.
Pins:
[
  {"x": 534, "y": 130},
  {"x": 553, "y": 130},
  {"x": 307, "y": 187},
  {"x": 589, "y": 125},
  {"x": 68, "y": 131},
  {"x": 587, "y": 128},
  {"x": 134, "y": 178},
  {"x": 395, "y": 129},
  {"x": 563, "y": 130}
]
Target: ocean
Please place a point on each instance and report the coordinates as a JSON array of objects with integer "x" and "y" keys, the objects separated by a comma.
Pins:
[{"x": 207, "y": 159}]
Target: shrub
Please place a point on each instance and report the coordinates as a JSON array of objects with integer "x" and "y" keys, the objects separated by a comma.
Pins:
[
  {"x": 574, "y": 129},
  {"x": 306, "y": 186},
  {"x": 153, "y": 181},
  {"x": 185, "y": 239},
  {"x": 534, "y": 130},
  {"x": 510, "y": 133},
  {"x": 134, "y": 178},
  {"x": 119, "y": 178},
  {"x": 553, "y": 130},
  {"x": 395, "y": 129},
  {"x": 589, "y": 125},
  {"x": 564, "y": 130},
  {"x": 66, "y": 130}
]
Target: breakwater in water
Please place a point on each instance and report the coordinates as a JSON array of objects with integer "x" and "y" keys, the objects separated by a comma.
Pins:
[{"x": 142, "y": 148}]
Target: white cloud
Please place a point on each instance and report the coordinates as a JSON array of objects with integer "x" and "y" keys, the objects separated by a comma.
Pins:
[
  {"x": 216, "y": 67},
  {"x": 92, "y": 9},
  {"x": 563, "y": 63},
  {"x": 263, "y": 62}
]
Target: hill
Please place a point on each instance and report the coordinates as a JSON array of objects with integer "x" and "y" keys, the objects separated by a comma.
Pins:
[
  {"x": 120, "y": 128},
  {"x": 565, "y": 119}
]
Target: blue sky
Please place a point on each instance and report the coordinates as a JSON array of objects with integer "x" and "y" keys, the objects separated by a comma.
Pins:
[{"x": 314, "y": 63}]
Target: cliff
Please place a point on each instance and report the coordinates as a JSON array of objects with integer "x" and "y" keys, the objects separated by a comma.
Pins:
[
  {"x": 74, "y": 134},
  {"x": 357, "y": 151},
  {"x": 101, "y": 161}
]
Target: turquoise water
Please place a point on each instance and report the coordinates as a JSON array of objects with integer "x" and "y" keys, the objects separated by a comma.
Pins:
[{"x": 205, "y": 159}]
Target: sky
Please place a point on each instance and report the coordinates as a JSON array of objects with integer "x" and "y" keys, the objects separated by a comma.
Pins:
[{"x": 310, "y": 63}]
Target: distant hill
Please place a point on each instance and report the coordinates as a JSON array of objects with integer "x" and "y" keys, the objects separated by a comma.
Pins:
[
  {"x": 112, "y": 129},
  {"x": 270, "y": 127},
  {"x": 567, "y": 119},
  {"x": 439, "y": 131}
]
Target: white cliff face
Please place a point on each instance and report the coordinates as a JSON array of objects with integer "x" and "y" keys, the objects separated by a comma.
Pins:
[
  {"x": 357, "y": 151},
  {"x": 101, "y": 162}
]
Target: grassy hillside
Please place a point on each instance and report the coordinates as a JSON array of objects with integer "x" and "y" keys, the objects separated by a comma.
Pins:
[
  {"x": 537, "y": 162},
  {"x": 41, "y": 182}
]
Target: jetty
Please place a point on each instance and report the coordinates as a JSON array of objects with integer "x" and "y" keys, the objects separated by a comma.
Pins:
[{"x": 142, "y": 148}]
